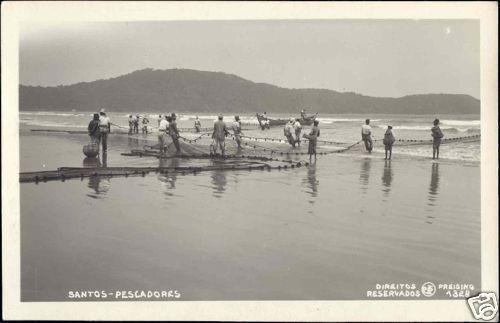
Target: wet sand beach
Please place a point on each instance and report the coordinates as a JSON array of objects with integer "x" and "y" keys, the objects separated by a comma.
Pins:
[{"x": 329, "y": 231}]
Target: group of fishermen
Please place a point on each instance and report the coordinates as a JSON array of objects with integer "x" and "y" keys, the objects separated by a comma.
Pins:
[
  {"x": 366, "y": 137},
  {"x": 221, "y": 131},
  {"x": 389, "y": 139},
  {"x": 167, "y": 126},
  {"x": 99, "y": 128},
  {"x": 293, "y": 126},
  {"x": 133, "y": 124}
]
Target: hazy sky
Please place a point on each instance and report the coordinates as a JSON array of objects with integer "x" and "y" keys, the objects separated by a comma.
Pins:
[{"x": 376, "y": 57}]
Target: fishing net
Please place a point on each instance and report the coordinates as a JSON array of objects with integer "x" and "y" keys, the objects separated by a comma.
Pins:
[{"x": 199, "y": 152}]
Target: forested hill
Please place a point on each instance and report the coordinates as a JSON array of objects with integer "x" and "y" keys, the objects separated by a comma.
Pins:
[{"x": 197, "y": 91}]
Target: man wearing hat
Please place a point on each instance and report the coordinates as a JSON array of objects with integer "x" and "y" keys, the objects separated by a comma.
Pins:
[
  {"x": 388, "y": 141},
  {"x": 197, "y": 124},
  {"x": 219, "y": 134},
  {"x": 162, "y": 133},
  {"x": 366, "y": 135},
  {"x": 436, "y": 134},
  {"x": 237, "y": 130},
  {"x": 174, "y": 132},
  {"x": 288, "y": 132},
  {"x": 104, "y": 129}
]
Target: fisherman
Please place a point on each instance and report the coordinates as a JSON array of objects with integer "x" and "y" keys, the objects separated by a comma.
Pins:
[
  {"x": 237, "y": 130},
  {"x": 93, "y": 129},
  {"x": 133, "y": 120},
  {"x": 303, "y": 114},
  {"x": 145, "y": 122},
  {"x": 288, "y": 132},
  {"x": 162, "y": 134},
  {"x": 388, "y": 141},
  {"x": 219, "y": 135},
  {"x": 436, "y": 134},
  {"x": 174, "y": 132},
  {"x": 130, "y": 124},
  {"x": 298, "y": 129},
  {"x": 160, "y": 117},
  {"x": 136, "y": 124},
  {"x": 366, "y": 135},
  {"x": 197, "y": 124},
  {"x": 265, "y": 123},
  {"x": 313, "y": 140},
  {"x": 104, "y": 129}
]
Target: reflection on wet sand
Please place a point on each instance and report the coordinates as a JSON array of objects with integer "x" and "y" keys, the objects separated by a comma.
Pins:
[
  {"x": 434, "y": 186},
  {"x": 387, "y": 178},
  {"x": 312, "y": 182},
  {"x": 171, "y": 177},
  {"x": 433, "y": 191},
  {"x": 219, "y": 182},
  {"x": 91, "y": 162},
  {"x": 364, "y": 175},
  {"x": 97, "y": 184}
]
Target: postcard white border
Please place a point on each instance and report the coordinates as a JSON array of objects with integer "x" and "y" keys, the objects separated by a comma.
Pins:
[{"x": 454, "y": 310}]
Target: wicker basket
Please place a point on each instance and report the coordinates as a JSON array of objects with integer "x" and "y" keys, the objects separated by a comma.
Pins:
[{"x": 91, "y": 150}]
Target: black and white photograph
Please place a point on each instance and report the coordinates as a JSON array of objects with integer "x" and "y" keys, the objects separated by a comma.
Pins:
[{"x": 298, "y": 158}]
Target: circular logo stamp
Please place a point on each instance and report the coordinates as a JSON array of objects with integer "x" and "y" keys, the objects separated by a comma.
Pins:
[{"x": 428, "y": 289}]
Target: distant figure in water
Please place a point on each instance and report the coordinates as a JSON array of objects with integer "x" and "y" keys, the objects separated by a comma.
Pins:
[
  {"x": 436, "y": 134},
  {"x": 174, "y": 132},
  {"x": 237, "y": 130},
  {"x": 197, "y": 124},
  {"x": 162, "y": 134},
  {"x": 104, "y": 129},
  {"x": 130, "y": 124},
  {"x": 313, "y": 140},
  {"x": 136, "y": 124},
  {"x": 303, "y": 114},
  {"x": 145, "y": 122},
  {"x": 219, "y": 135},
  {"x": 160, "y": 117},
  {"x": 298, "y": 129},
  {"x": 93, "y": 129},
  {"x": 287, "y": 131},
  {"x": 388, "y": 141},
  {"x": 366, "y": 135},
  {"x": 265, "y": 121}
]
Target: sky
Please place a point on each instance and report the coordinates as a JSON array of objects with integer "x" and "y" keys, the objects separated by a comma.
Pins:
[{"x": 384, "y": 58}]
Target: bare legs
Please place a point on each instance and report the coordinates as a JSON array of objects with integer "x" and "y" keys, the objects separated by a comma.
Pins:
[{"x": 388, "y": 150}]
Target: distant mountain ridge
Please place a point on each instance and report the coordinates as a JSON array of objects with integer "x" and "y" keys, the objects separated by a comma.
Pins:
[{"x": 199, "y": 91}]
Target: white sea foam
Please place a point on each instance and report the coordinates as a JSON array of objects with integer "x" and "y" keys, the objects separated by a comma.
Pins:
[
  {"x": 332, "y": 120},
  {"x": 426, "y": 128},
  {"x": 59, "y": 114},
  {"x": 42, "y": 123},
  {"x": 469, "y": 123}
]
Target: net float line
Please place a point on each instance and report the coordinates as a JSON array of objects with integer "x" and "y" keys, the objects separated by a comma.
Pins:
[
  {"x": 454, "y": 139},
  {"x": 64, "y": 173}
]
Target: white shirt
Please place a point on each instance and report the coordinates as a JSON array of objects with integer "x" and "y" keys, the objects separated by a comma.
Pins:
[
  {"x": 236, "y": 127},
  {"x": 163, "y": 125},
  {"x": 104, "y": 121},
  {"x": 366, "y": 129},
  {"x": 297, "y": 125}
]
